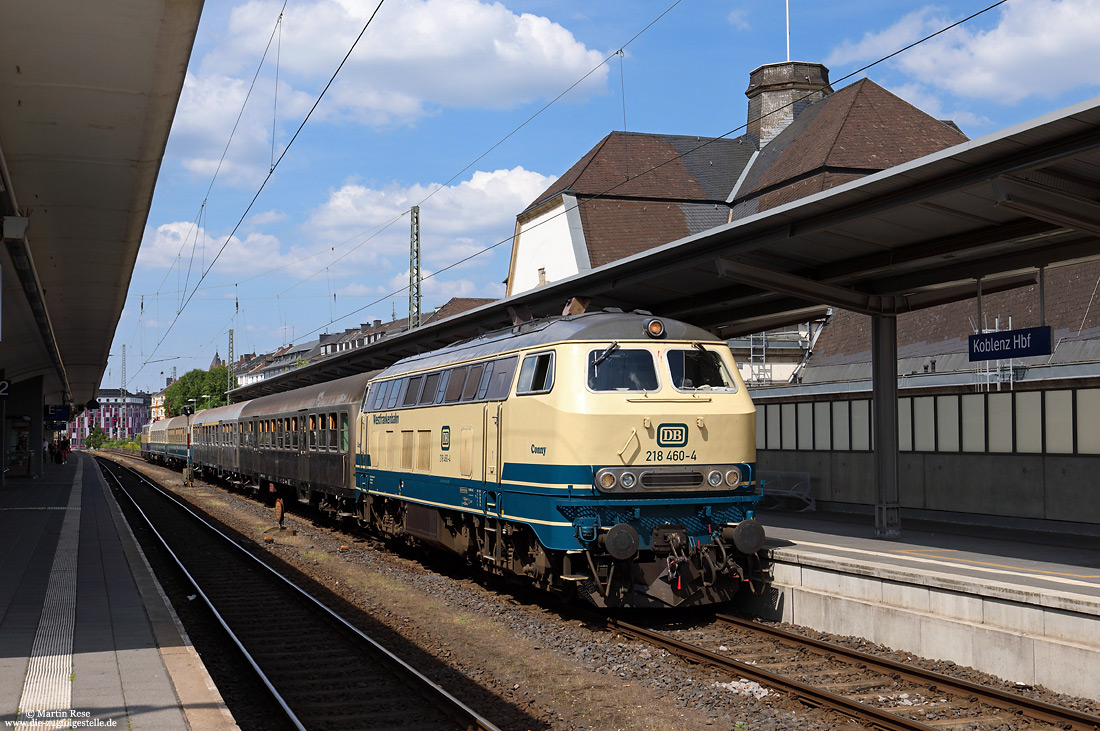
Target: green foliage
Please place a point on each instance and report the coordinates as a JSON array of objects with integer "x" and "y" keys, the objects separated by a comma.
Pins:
[
  {"x": 207, "y": 388},
  {"x": 97, "y": 438}
]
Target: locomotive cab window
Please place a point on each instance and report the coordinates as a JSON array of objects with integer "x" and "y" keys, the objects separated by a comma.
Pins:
[
  {"x": 536, "y": 375},
  {"x": 618, "y": 369},
  {"x": 696, "y": 369}
]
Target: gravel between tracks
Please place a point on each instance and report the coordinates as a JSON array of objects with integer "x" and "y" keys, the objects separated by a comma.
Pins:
[{"x": 534, "y": 668}]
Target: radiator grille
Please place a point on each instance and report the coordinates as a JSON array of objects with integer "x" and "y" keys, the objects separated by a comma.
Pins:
[{"x": 672, "y": 479}]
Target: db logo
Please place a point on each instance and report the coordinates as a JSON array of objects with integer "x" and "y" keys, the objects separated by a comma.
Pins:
[
  {"x": 672, "y": 435},
  {"x": 445, "y": 438}
]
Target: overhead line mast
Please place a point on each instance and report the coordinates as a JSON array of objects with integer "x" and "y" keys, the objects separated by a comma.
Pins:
[{"x": 414, "y": 268}]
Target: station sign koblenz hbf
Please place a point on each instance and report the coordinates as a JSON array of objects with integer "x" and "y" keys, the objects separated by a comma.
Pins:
[{"x": 1010, "y": 344}]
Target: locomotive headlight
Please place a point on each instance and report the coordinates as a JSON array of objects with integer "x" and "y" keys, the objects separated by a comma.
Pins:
[
  {"x": 627, "y": 480},
  {"x": 733, "y": 477},
  {"x": 607, "y": 480},
  {"x": 714, "y": 478},
  {"x": 655, "y": 328}
]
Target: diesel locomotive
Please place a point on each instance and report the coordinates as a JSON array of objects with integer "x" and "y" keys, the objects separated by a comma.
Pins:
[{"x": 607, "y": 455}]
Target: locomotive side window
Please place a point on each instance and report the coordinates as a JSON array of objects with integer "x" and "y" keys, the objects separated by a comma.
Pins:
[
  {"x": 444, "y": 380},
  {"x": 395, "y": 392},
  {"x": 536, "y": 375},
  {"x": 695, "y": 369},
  {"x": 501, "y": 381},
  {"x": 378, "y": 393},
  {"x": 412, "y": 393},
  {"x": 617, "y": 369},
  {"x": 473, "y": 380},
  {"x": 456, "y": 384},
  {"x": 485, "y": 377},
  {"x": 431, "y": 387}
]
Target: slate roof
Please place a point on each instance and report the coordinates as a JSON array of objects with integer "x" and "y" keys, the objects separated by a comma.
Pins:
[
  {"x": 665, "y": 167},
  {"x": 856, "y": 131}
]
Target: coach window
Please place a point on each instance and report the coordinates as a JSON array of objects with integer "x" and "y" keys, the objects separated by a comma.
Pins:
[
  {"x": 412, "y": 393},
  {"x": 536, "y": 375},
  {"x": 343, "y": 432},
  {"x": 333, "y": 435},
  {"x": 280, "y": 438},
  {"x": 501, "y": 382},
  {"x": 456, "y": 384},
  {"x": 294, "y": 433},
  {"x": 618, "y": 369},
  {"x": 312, "y": 432},
  {"x": 431, "y": 388},
  {"x": 322, "y": 432}
]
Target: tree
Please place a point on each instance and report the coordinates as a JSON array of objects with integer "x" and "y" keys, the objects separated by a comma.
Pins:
[
  {"x": 97, "y": 437},
  {"x": 198, "y": 384}
]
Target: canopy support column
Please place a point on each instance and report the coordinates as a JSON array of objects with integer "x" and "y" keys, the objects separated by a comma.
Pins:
[{"x": 884, "y": 367}]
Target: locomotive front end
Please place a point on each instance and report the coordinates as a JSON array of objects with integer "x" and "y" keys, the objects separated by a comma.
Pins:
[{"x": 669, "y": 429}]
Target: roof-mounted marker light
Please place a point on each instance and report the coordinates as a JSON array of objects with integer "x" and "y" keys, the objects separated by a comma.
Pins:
[{"x": 655, "y": 328}]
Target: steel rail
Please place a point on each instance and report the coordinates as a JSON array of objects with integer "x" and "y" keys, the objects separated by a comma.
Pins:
[
  {"x": 875, "y": 717},
  {"x": 1066, "y": 718},
  {"x": 471, "y": 717}
]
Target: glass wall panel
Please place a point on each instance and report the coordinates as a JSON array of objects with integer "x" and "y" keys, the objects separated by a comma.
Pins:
[
  {"x": 1000, "y": 422},
  {"x": 840, "y": 425},
  {"x": 822, "y": 424},
  {"x": 774, "y": 441},
  {"x": 788, "y": 428},
  {"x": 1088, "y": 421},
  {"x": 761, "y": 433},
  {"x": 1058, "y": 411},
  {"x": 806, "y": 425},
  {"x": 924, "y": 424},
  {"x": 947, "y": 423},
  {"x": 905, "y": 425},
  {"x": 1029, "y": 423},
  {"x": 861, "y": 424},
  {"x": 973, "y": 419}
]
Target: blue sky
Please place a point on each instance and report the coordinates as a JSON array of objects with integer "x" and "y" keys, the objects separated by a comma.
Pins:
[{"x": 416, "y": 114}]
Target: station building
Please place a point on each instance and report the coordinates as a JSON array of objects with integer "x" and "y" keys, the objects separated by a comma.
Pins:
[{"x": 993, "y": 442}]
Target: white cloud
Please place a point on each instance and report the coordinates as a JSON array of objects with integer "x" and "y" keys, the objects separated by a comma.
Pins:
[
  {"x": 416, "y": 53},
  {"x": 739, "y": 19},
  {"x": 456, "y": 221},
  {"x": 192, "y": 248},
  {"x": 1037, "y": 48}
]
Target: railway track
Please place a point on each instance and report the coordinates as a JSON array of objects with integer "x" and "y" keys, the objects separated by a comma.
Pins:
[
  {"x": 874, "y": 691},
  {"x": 323, "y": 672}
]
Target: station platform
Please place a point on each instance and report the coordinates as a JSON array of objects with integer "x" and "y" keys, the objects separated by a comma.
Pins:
[
  {"x": 1022, "y": 605},
  {"x": 87, "y": 638}
]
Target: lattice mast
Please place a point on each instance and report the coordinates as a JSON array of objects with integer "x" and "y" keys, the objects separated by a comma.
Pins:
[
  {"x": 229, "y": 366},
  {"x": 414, "y": 268}
]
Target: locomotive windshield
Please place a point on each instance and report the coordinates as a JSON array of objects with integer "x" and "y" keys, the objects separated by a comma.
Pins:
[
  {"x": 698, "y": 368},
  {"x": 620, "y": 369}
]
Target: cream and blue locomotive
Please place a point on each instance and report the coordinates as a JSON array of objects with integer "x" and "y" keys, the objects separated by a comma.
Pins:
[
  {"x": 607, "y": 455},
  {"x": 610, "y": 454}
]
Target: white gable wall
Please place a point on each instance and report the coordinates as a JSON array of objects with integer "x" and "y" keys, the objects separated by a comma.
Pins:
[{"x": 552, "y": 241}]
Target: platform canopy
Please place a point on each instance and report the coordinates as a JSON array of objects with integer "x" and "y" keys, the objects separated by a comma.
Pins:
[
  {"x": 913, "y": 236},
  {"x": 88, "y": 91}
]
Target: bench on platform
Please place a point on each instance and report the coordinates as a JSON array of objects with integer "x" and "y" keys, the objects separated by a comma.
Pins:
[{"x": 778, "y": 488}]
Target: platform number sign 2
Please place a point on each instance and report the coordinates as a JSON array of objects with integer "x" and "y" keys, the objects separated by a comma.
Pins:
[{"x": 5, "y": 388}]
